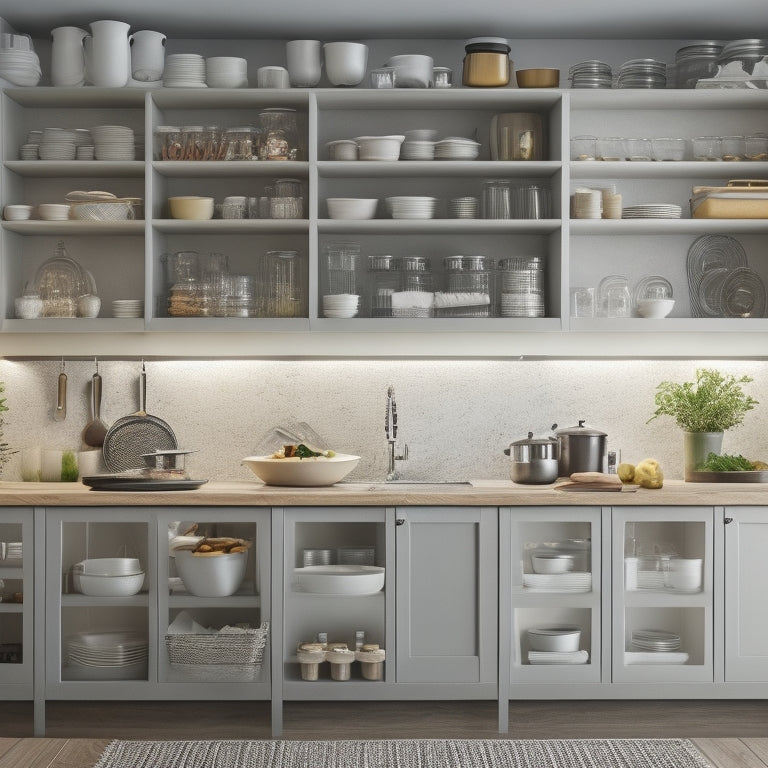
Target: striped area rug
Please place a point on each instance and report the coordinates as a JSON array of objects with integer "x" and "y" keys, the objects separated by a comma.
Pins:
[{"x": 406, "y": 753}]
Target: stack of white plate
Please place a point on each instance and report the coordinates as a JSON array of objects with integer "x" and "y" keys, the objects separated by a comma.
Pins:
[
  {"x": 184, "y": 70},
  {"x": 652, "y": 211},
  {"x": 411, "y": 207},
  {"x": 29, "y": 152},
  {"x": 417, "y": 150},
  {"x": 113, "y": 142},
  {"x": 587, "y": 203},
  {"x": 119, "y": 655},
  {"x": 573, "y": 581},
  {"x": 14, "y": 550},
  {"x": 463, "y": 208},
  {"x": 456, "y": 148},
  {"x": 650, "y": 580},
  {"x": 341, "y": 305},
  {"x": 57, "y": 144},
  {"x": 20, "y": 67},
  {"x": 226, "y": 72},
  {"x": 655, "y": 640},
  {"x": 128, "y": 308}
]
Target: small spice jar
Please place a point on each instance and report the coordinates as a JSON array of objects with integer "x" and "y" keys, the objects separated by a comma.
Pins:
[{"x": 486, "y": 63}]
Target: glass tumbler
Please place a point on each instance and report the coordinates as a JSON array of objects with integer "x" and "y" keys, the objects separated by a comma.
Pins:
[
  {"x": 582, "y": 302},
  {"x": 283, "y": 282}
]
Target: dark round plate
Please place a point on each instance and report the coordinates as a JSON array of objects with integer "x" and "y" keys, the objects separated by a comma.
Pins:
[{"x": 116, "y": 483}]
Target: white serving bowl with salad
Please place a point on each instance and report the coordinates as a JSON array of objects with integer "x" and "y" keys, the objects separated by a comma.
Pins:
[{"x": 299, "y": 465}]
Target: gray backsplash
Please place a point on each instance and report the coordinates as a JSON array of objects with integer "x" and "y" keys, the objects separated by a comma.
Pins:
[{"x": 456, "y": 416}]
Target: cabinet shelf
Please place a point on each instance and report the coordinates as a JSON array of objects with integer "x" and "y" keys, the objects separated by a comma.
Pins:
[
  {"x": 68, "y": 228},
  {"x": 75, "y": 325},
  {"x": 443, "y": 226},
  {"x": 652, "y": 227},
  {"x": 233, "y": 601},
  {"x": 436, "y": 168},
  {"x": 437, "y": 324},
  {"x": 232, "y": 226},
  {"x": 669, "y": 324},
  {"x": 49, "y": 96},
  {"x": 87, "y": 601},
  {"x": 213, "y": 324},
  {"x": 11, "y": 607},
  {"x": 230, "y": 168},
  {"x": 600, "y": 169},
  {"x": 126, "y": 169},
  {"x": 659, "y": 599}
]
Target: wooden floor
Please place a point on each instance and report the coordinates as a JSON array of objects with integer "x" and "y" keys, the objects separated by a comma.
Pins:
[{"x": 731, "y": 734}]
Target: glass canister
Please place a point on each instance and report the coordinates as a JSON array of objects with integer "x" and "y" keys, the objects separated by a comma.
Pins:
[
  {"x": 167, "y": 143},
  {"x": 486, "y": 62},
  {"x": 340, "y": 262},
  {"x": 522, "y": 287},
  {"x": 747, "y": 52},
  {"x": 383, "y": 281},
  {"x": 469, "y": 287},
  {"x": 238, "y": 143},
  {"x": 283, "y": 284},
  {"x": 279, "y": 134}
]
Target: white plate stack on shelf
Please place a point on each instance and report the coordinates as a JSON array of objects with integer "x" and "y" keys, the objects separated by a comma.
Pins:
[
  {"x": 119, "y": 655},
  {"x": 113, "y": 142},
  {"x": 411, "y": 207},
  {"x": 57, "y": 144},
  {"x": 417, "y": 150},
  {"x": 14, "y": 550},
  {"x": 128, "y": 308},
  {"x": 341, "y": 305},
  {"x": 184, "y": 70},
  {"x": 652, "y": 211},
  {"x": 456, "y": 148},
  {"x": 655, "y": 646},
  {"x": 574, "y": 581},
  {"x": 463, "y": 207},
  {"x": 226, "y": 72}
]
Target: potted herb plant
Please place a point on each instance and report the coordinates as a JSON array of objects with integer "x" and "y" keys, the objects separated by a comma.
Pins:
[{"x": 704, "y": 409}]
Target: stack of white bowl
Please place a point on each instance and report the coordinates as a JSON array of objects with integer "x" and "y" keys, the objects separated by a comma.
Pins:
[
  {"x": 341, "y": 305},
  {"x": 53, "y": 211},
  {"x": 57, "y": 144},
  {"x": 411, "y": 207},
  {"x": 128, "y": 308},
  {"x": 587, "y": 203},
  {"x": 108, "y": 576},
  {"x": 352, "y": 207},
  {"x": 417, "y": 150},
  {"x": 120, "y": 655},
  {"x": 113, "y": 142},
  {"x": 20, "y": 67},
  {"x": 457, "y": 148},
  {"x": 226, "y": 72},
  {"x": 184, "y": 70}
]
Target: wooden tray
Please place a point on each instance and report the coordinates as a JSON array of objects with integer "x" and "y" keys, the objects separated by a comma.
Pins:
[{"x": 744, "y": 476}]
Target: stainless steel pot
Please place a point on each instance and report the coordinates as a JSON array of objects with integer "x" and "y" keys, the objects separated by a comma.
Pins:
[
  {"x": 582, "y": 449},
  {"x": 534, "y": 460}
]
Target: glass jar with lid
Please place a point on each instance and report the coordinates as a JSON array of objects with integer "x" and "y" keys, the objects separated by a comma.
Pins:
[
  {"x": 167, "y": 143},
  {"x": 486, "y": 63},
  {"x": 239, "y": 143},
  {"x": 282, "y": 281},
  {"x": 696, "y": 61},
  {"x": 282, "y": 123},
  {"x": 383, "y": 281}
]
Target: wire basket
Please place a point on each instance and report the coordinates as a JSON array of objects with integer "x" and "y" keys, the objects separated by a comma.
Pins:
[
  {"x": 241, "y": 650},
  {"x": 104, "y": 210}
]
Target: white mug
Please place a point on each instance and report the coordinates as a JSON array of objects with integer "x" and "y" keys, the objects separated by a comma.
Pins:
[
  {"x": 345, "y": 63},
  {"x": 305, "y": 62},
  {"x": 272, "y": 77}
]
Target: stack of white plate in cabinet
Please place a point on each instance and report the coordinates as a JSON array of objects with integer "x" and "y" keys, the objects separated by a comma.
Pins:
[
  {"x": 463, "y": 207},
  {"x": 652, "y": 211},
  {"x": 128, "y": 308},
  {"x": 184, "y": 70},
  {"x": 226, "y": 72},
  {"x": 119, "y": 655},
  {"x": 417, "y": 150},
  {"x": 113, "y": 142},
  {"x": 411, "y": 207},
  {"x": 341, "y": 305},
  {"x": 456, "y": 148},
  {"x": 57, "y": 144},
  {"x": 655, "y": 640}
]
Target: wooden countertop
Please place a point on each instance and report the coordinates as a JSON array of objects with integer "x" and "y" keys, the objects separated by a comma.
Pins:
[{"x": 494, "y": 493}]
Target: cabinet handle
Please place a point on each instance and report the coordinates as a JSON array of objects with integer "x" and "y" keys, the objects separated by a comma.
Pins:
[
  {"x": 728, "y": 520},
  {"x": 400, "y": 521}
]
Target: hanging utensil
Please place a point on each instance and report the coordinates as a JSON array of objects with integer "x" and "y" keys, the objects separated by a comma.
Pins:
[
  {"x": 95, "y": 430},
  {"x": 61, "y": 396},
  {"x": 130, "y": 437}
]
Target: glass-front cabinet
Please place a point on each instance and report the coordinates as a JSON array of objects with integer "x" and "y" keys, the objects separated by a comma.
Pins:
[{"x": 663, "y": 595}]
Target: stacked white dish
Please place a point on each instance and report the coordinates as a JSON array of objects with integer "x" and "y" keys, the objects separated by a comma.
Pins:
[
  {"x": 184, "y": 70},
  {"x": 53, "y": 211},
  {"x": 17, "y": 212},
  {"x": 113, "y": 142},
  {"x": 655, "y": 646},
  {"x": 57, "y": 144},
  {"x": 456, "y": 148},
  {"x": 587, "y": 203},
  {"x": 575, "y": 581},
  {"x": 463, "y": 208},
  {"x": 417, "y": 150},
  {"x": 558, "y": 657},
  {"x": 128, "y": 308},
  {"x": 20, "y": 67},
  {"x": 411, "y": 207},
  {"x": 119, "y": 655},
  {"x": 14, "y": 550},
  {"x": 108, "y": 576},
  {"x": 226, "y": 72},
  {"x": 341, "y": 305},
  {"x": 652, "y": 211}
]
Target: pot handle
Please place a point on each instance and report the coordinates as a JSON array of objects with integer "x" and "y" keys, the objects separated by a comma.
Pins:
[{"x": 507, "y": 451}]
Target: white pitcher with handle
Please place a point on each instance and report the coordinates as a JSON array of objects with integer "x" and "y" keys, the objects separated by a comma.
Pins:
[
  {"x": 147, "y": 55},
  {"x": 107, "y": 54},
  {"x": 67, "y": 57}
]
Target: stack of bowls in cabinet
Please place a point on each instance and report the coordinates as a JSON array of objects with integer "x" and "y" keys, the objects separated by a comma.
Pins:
[
  {"x": 226, "y": 72},
  {"x": 119, "y": 655},
  {"x": 108, "y": 576},
  {"x": 457, "y": 148},
  {"x": 418, "y": 150},
  {"x": 128, "y": 308},
  {"x": 591, "y": 74},
  {"x": 341, "y": 305},
  {"x": 57, "y": 144},
  {"x": 463, "y": 207}
]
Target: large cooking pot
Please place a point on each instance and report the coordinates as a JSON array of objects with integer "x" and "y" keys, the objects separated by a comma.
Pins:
[
  {"x": 582, "y": 449},
  {"x": 533, "y": 460}
]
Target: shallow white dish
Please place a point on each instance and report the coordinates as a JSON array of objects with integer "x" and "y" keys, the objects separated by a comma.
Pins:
[
  {"x": 315, "y": 471},
  {"x": 340, "y": 579},
  {"x": 552, "y": 563},
  {"x": 110, "y": 566},
  {"x": 17, "y": 212}
]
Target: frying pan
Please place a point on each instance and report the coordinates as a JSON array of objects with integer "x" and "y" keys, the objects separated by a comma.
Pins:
[{"x": 131, "y": 436}]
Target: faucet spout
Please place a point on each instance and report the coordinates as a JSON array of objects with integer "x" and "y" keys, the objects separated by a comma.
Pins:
[{"x": 390, "y": 430}]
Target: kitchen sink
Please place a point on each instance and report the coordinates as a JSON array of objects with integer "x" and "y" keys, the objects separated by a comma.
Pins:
[{"x": 400, "y": 484}]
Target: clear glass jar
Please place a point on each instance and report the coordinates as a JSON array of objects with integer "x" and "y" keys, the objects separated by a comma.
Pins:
[
  {"x": 696, "y": 61},
  {"x": 383, "y": 281},
  {"x": 192, "y": 140},
  {"x": 284, "y": 122},
  {"x": 275, "y": 146},
  {"x": 283, "y": 283},
  {"x": 584, "y": 148},
  {"x": 239, "y": 143},
  {"x": 167, "y": 143}
]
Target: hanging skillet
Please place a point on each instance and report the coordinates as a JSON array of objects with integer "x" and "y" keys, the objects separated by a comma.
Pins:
[{"x": 131, "y": 436}]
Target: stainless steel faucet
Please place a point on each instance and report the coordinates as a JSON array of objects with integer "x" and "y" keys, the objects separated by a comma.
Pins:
[{"x": 390, "y": 429}]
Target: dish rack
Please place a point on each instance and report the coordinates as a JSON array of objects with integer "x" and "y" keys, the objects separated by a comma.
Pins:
[{"x": 223, "y": 656}]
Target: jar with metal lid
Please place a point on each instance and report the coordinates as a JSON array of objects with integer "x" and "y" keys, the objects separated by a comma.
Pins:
[
  {"x": 747, "y": 52},
  {"x": 696, "y": 61},
  {"x": 167, "y": 142},
  {"x": 486, "y": 63},
  {"x": 239, "y": 143}
]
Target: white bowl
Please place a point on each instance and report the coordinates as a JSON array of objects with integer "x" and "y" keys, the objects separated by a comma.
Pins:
[
  {"x": 191, "y": 207},
  {"x": 108, "y": 586},
  {"x": 342, "y": 149},
  {"x": 340, "y": 579},
  {"x": 17, "y": 212},
  {"x": 561, "y": 639},
  {"x": 53, "y": 211},
  {"x": 315, "y": 471},
  {"x": 412, "y": 70},
  {"x": 351, "y": 207},
  {"x": 385, "y": 148},
  {"x": 552, "y": 563},
  {"x": 655, "y": 308},
  {"x": 110, "y": 566},
  {"x": 211, "y": 575}
]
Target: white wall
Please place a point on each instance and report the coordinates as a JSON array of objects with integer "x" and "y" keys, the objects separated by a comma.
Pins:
[{"x": 457, "y": 416}]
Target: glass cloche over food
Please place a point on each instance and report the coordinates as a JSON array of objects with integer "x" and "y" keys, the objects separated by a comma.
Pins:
[{"x": 60, "y": 282}]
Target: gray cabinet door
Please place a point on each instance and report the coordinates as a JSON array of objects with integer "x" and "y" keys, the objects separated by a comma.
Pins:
[
  {"x": 446, "y": 594},
  {"x": 746, "y": 609}
]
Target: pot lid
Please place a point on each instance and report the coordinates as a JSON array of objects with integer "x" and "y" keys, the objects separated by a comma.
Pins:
[
  {"x": 531, "y": 440},
  {"x": 580, "y": 429}
]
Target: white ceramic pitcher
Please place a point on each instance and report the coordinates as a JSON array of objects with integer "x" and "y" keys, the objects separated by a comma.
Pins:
[
  {"x": 107, "y": 54},
  {"x": 67, "y": 57},
  {"x": 147, "y": 55}
]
